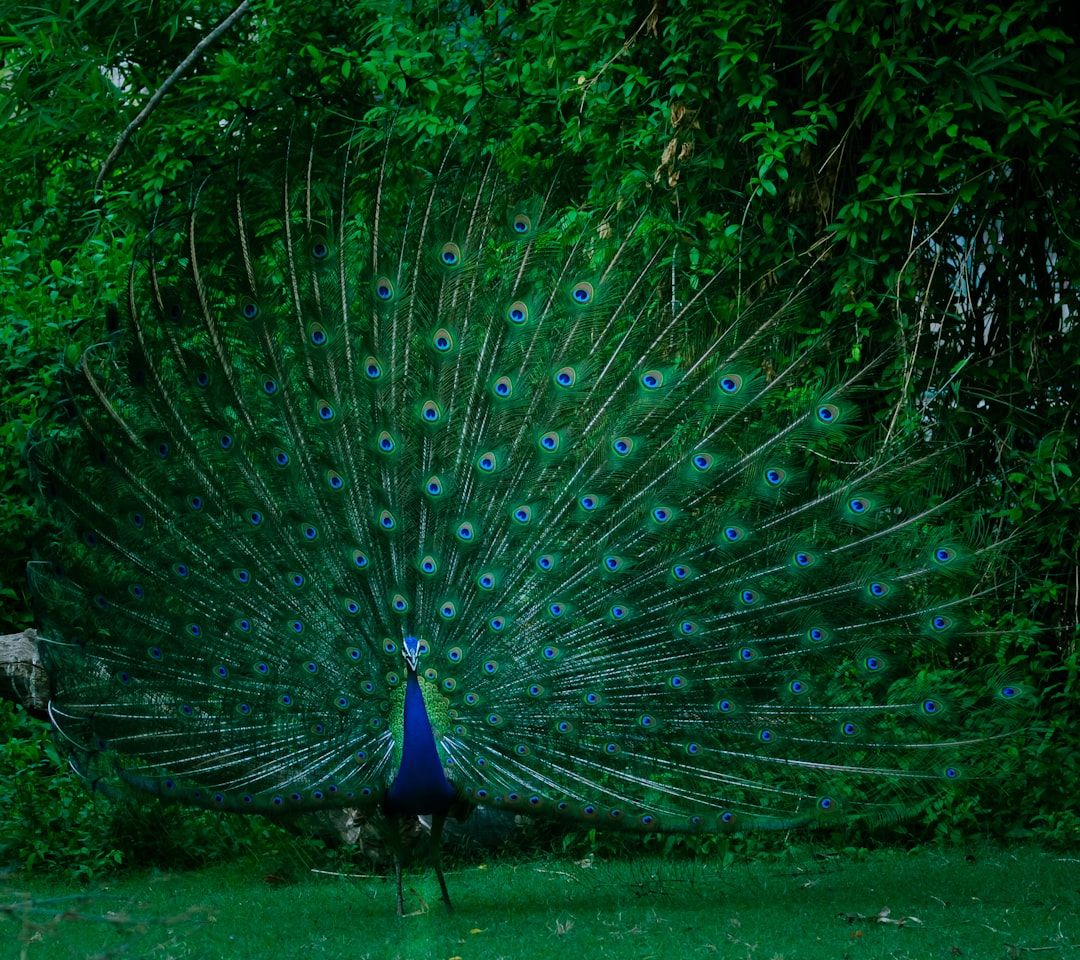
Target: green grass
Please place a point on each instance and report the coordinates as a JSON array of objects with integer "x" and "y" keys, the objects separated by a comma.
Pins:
[{"x": 802, "y": 906}]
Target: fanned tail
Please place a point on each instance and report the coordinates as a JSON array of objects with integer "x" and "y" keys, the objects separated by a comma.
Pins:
[{"x": 658, "y": 576}]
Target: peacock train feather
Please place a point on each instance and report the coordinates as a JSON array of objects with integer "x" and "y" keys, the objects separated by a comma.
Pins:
[{"x": 415, "y": 507}]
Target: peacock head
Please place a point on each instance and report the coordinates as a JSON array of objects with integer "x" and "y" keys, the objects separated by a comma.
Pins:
[{"x": 411, "y": 649}]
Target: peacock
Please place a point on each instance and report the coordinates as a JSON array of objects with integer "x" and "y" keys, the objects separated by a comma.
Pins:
[{"x": 418, "y": 500}]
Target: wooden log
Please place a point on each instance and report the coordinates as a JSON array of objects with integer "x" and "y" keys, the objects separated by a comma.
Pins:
[{"x": 23, "y": 677}]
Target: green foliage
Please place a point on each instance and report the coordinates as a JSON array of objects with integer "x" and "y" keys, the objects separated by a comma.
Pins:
[
  {"x": 50, "y": 820},
  {"x": 923, "y": 157}
]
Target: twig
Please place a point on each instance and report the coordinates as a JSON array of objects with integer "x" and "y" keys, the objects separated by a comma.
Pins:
[{"x": 122, "y": 140}]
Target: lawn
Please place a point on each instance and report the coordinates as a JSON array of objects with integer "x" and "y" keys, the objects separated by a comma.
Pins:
[{"x": 808, "y": 904}]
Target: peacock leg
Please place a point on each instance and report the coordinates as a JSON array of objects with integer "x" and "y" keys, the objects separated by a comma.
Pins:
[
  {"x": 437, "y": 822},
  {"x": 397, "y": 876}
]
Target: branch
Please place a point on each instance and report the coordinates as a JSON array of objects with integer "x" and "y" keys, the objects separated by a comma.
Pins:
[{"x": 159, "y": 94}]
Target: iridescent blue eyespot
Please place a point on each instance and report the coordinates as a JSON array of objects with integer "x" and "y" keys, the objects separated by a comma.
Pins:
[{"x": 582, "y": 293}]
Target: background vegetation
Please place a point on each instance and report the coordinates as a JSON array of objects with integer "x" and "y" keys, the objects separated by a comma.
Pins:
[{"x": 922, "y": 156}]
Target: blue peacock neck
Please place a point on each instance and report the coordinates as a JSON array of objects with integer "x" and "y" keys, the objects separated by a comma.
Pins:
[{"x": 420, "y": 785}]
